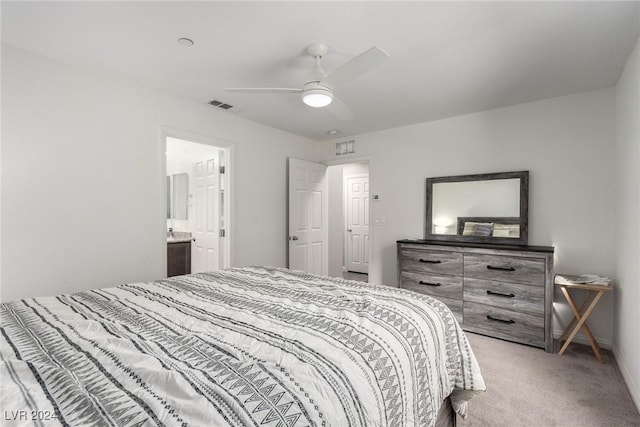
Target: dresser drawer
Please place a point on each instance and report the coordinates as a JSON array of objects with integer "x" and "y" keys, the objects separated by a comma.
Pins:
[
  {"x": 428, "y": 261},
  {"x": 510, "y": 296},
  {"x": 512, "y": 269},
  {"x": 521, "y": 327},
  {"x": 431, "y": 284}
]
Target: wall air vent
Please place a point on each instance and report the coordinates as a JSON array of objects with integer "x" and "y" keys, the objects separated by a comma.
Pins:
[
  {"x": 220, "y": 104},
  {"x": 345, "y": 147}
]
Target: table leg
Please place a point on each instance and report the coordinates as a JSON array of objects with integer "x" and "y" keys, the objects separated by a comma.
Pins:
[
  {"x": 585, "y": 328},
  {"x": 582, "y": 318},
  {"x": 572, "y": 324},
  {"x": 587, "y": 331}
]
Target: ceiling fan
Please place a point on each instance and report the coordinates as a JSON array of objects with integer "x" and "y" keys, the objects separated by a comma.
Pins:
[{"x": 319, "y": 86}]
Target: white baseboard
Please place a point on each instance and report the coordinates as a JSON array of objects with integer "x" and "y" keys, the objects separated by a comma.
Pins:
[
  {"x": 580, "y": 338},
  {"x": 634, "y": 389}
]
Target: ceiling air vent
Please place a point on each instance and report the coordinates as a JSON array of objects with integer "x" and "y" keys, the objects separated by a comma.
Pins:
[
  {"x": 220, "y": 104},
  {"x": 345, "y": 147}
]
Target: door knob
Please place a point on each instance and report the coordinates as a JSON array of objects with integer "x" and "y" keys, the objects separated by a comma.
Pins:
[
  {"x": 293, "y": 237},
  {"x": 349, "y": 230}
]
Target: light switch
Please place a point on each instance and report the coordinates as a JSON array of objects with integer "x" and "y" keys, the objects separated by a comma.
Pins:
[{"x": 380, "y": 220}]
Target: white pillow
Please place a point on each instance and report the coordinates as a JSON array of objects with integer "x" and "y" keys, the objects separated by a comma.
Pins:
[
  {"x": 500, "y": 233},
  {"x": 469, "y": 228},
  {"x": 506, "y": 230}
]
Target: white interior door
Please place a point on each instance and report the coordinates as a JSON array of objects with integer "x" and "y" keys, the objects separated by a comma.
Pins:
[
  {"x": 357, "y": 223},
  {"x": 206, "y": 227},
  {"x": 308, "y": 224}
]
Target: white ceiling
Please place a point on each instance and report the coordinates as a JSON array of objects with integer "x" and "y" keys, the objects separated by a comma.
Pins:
[{"x": 446, "y": 58}]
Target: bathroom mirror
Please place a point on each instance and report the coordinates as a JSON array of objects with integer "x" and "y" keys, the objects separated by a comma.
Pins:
[
  {"x": 179, "y": 195},
  {"x": 490, "y": 208}
]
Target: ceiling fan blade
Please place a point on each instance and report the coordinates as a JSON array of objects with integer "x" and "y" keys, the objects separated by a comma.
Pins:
[
  {"x": 263, "y": 89},
  {"x": 339, "y": 109},
  {"x": 358, "y": 66}
]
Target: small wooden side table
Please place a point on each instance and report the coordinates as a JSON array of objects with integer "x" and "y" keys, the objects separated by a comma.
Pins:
[{"x": 595, "y": 292}]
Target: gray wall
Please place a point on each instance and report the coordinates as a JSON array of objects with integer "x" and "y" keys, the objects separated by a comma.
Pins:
[{"x": 627, "y": 208}]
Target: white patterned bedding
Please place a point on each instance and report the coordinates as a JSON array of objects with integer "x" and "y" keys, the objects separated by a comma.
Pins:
[{"x": 238, "y": 347}]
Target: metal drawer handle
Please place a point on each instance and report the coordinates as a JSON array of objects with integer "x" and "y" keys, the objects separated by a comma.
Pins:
[
  {"x": 500, "y": 294},
  {"x": 492, "y": 267},
  {"x": 429, "y": 284},
  {"x": 495, "y": 319},
  {"x": 428, "y": 261}
]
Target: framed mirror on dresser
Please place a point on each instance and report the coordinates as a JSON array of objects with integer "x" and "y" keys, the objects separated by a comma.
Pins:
[
  {"x": 488, "y": 208},
  {"x": 475, "y": 259}
]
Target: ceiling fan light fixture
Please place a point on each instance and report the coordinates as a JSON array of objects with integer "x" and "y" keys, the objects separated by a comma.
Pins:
[
  {"x": 317, "y": 92},
  {"x": 317, "y": 97}
]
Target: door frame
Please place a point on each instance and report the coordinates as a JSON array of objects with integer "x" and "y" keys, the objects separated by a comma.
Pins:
[
  {"x": 220, "y": 143},
  {"x": 367, "y": 160}
]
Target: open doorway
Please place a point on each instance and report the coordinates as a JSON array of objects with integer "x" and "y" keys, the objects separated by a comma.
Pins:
[
  {"x": 349, "y": 207},
  {"x": 197, "y": 206}
]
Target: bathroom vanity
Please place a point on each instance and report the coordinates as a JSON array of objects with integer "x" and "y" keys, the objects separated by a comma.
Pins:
[{"x": 179, "y": 254}]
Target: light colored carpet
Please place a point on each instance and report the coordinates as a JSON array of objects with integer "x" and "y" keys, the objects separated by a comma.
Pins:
[
  {"x": 528, "y": 387},
  {"x": 360, "y": 277}
]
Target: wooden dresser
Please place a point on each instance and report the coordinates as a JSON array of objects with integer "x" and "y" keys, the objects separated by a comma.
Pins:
[{"x": 498, "y": 290}]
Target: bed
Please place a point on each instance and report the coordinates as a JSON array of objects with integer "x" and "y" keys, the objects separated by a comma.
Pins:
[{"x": 250, "y": 346}]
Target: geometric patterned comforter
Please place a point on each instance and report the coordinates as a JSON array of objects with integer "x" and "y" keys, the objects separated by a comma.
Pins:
[{"x": 239, "y": 347}]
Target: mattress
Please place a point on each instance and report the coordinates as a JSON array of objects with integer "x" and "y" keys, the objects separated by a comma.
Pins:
[{"x": 250, "y": 346}]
